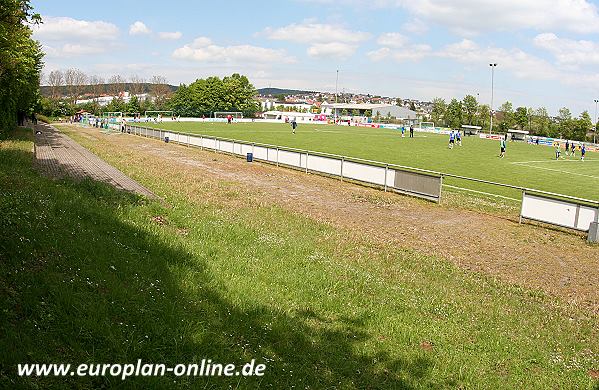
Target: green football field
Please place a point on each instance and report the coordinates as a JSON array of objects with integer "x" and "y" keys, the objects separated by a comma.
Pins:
[{"x": 525, "y": 165}]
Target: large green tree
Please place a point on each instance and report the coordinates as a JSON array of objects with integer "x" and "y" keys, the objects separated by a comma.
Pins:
[
  {"x": 454, "y": 113},
  {"x": 205, "y": 96},
  {"x": 582, "y": 127},
  {"x": 507, "y": 116},
  {"x": 470, "y": 106},
  {"x": 20, "y": 61},
  {"x": 521, "y": 117},
  {"x": 483, "y": 116},
  {"x": 540, "y": 122},
  {"x": 438, "y": 111}
]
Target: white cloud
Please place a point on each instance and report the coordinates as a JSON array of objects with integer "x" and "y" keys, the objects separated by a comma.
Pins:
[
  {"x": 308, "y": 32},
  {"x": 332, "y": 50},
  {"x": 412, "y": 53},
  {"x": 401, "y": 54},
  {"x": 569, "y": 51},
  {"x": 202, "y": 50},
  {"x": 68, "y": 37},
  {"x": 201, "y": 42},
  {"x": 76, "y": 49},
  {"x": 394, "y": 40},
  {"x": 415, "y": 26},
  {"x": 139, "y": 28},
  {"x": 482, "y": 15},
  {"x": 398, "y": 47},
  {"x": 63, "y": 28},
  {"x": 379, "y": 54},
  {"x": 69, "y": 50},
  {"x": 170, "y": 35},
  {"x": 518, "y": 62},
  {"x": 475, "y": 16}
]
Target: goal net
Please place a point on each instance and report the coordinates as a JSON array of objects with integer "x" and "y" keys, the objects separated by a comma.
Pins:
[
  {"x": 427, "y": 125},
  {"x": 112, "y": 114},
  {"x": 162, "y": 114},
  {"x": 224, "y": 114}
]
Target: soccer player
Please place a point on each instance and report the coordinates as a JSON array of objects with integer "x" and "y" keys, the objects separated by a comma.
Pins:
[
  {"x": 458, "y": 137},
  {"x": 573, "y": 150},
  {"x": 558, "y": 150},
  {"x": 411, "y": 131},
  {"x": 293, "y": 125},
  {"x": 403, "y": 131},
  {"x": 567, "y": 147},
  {"x": 502, "y": 147},
  {"x": 583, "y": 151},
  {"x": 451, "y": 139}
]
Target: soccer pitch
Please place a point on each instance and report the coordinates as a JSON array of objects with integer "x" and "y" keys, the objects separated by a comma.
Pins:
[{"x": 530, "y": 166}]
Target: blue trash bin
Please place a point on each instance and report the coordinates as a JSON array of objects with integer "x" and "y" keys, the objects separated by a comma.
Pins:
[
  {"x": 250, "y": 157},
  {"x": 166, "y": 139}
]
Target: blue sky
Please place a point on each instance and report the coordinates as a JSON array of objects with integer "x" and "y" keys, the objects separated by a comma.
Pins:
[{"x": 547, "y": 50}]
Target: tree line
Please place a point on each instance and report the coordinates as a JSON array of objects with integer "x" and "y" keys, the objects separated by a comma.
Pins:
[
  {"x": 205, "y": 96},
  {"x": 64, "y": 88},
  {"x": 536, "y": 121},
  {"x": 202, "y": 97},
  {"x": 20, "y": 62}
]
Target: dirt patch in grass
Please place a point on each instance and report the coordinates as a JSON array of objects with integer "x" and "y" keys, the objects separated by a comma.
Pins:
[{"x": 552, "y": 261}]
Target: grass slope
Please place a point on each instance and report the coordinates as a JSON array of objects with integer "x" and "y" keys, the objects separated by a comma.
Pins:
[
  {"x": 525, "y": 165},
  {"x": 88, "y": 274}
]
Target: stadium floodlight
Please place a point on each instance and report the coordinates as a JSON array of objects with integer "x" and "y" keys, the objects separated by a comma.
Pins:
[
  {"x": 336, "y": 89},
  {"x": 595, "y": 120},
  {"x": 492, "y": 93}
]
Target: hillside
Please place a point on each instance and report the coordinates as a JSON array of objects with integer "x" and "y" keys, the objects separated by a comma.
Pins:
[{"x": 281, "y": 91}]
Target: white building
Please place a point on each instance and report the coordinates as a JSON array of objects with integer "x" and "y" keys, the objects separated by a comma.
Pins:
[
  {"x": 104, "y": 100},
  {"x": 273, "y": 105},
  {"x": 383, "y": 110}
]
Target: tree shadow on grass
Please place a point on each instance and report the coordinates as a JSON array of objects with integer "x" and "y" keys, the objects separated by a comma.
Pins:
[{"x": 84, "y": 280}]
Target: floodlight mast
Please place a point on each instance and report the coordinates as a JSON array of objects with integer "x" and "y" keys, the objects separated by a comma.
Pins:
[
  {"x": 336, "y": 89},
  {"x": 595, "y": 119},
  {"x": 492, "y": 93}
]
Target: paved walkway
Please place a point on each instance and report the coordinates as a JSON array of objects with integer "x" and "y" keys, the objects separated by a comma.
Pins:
[{"x": 57, "y": 155}]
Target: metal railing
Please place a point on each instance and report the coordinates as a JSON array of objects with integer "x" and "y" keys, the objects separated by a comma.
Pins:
[
  {"x": 427, "y": 172},
  {"x": 387, "y": 178}
]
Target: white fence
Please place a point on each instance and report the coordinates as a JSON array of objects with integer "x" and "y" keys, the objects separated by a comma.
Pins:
[
  {"x": 421, "y": 183},
  {"x": 556, "y": 209},
  {"x": 558, "y": 212}
]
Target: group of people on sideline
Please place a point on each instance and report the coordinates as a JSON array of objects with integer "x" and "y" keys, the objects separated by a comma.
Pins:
[{"x": 571, "y": 149}]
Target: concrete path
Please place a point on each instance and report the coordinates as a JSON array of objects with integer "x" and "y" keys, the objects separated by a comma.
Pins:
[{"x": 57, "y": 155}]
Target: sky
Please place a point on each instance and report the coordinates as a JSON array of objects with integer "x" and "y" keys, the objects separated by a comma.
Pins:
[{"x": 547, "y": 51}]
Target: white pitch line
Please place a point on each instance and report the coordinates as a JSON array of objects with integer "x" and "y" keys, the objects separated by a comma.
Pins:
[
  {"x": 481, "y": 192},
  {"x": 560, "y": 171},
  {"x": 553, "y": 161}
]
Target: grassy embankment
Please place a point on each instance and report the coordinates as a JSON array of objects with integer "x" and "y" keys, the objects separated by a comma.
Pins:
[{"x": 88, "y": 274}]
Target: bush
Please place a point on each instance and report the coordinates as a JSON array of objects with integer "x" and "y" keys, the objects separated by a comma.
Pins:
[{"x": 42, "y": 118}]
